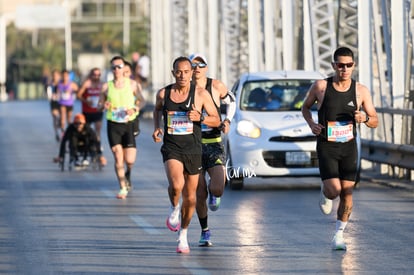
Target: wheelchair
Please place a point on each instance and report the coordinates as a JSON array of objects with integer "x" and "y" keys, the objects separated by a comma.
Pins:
[{"x": 84, "y": 158}]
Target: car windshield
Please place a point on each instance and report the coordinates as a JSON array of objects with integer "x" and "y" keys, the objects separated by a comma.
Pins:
[{"x": 274, "y": 95}]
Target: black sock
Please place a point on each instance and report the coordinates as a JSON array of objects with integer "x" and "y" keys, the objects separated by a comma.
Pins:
[{"x": 203, "y": 223}]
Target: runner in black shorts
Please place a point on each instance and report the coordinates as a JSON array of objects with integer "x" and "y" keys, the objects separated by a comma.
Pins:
[
  {"x": 339, "y": 100},
  {"x": 180, "y": 104},
  {"x": 213, "y": 149},
  {"x": 118, "y": 99}
]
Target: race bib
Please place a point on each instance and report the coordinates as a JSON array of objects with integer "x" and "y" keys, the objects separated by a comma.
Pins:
[
  {"x": 119, "y": 115},
  {"x": 66, "y": 96},
  {"x": 93, "y": 101},
  {"x": 340, "y": 131},
  {"x": 178, "y": 123}
]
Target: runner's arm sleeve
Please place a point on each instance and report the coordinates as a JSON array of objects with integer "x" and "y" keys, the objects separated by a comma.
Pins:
[{"x": 230, "y": 100}]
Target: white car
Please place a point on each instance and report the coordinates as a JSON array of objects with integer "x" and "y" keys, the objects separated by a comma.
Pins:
[{"x": 268, "y": 136}]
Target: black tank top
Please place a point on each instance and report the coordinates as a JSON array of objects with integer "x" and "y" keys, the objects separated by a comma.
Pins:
[
  {"x": 337, "y": 107},
  {"x": 209, "y": 132},
  {"x": 180, "y": 134}
]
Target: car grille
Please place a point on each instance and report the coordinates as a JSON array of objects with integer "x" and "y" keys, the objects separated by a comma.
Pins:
[
  {"x": 292, "y": 139},
  {"x": 277, "y": 159}
]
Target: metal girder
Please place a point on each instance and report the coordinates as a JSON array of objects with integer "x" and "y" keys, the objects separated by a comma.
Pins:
[
  {"x": 179, "y": 23},
  {"x": 347, "y": 26},
  {"x": 323, "y": 33},
  {"x": 234, "y": 38}
]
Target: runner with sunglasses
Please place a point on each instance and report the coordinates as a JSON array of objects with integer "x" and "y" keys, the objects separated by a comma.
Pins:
[
  {"x": 342, "y": 103},
  {"x": 118, "y": 99},
  {"x": 213, "y": 159}
]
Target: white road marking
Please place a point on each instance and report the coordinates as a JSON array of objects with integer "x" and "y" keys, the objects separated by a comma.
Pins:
[
  {"x": 194, "y": 268},
  {"x": 108, "y": 193},
  {"x": 142, "y": 223}
]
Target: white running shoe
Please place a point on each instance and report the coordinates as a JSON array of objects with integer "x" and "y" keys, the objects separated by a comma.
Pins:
[
  {"x": 338, "y": 242},
  {"x": 182, "y": 246},
  {"x": 173, "y": 220},
  {"x": 85, "y": 162},
  {"x": 324, "y": 203}
]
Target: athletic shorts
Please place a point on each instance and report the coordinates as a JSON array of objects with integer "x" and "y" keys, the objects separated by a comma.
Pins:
[
  {"x": 68, "y": 108},
  {"x": 54, "y": 105},
  {"x": 191, "y": 162},
  {"x": 121, "y": 133},
  {"x": 93, "y": 117},
  {"x": 337, "y": 160},
  {"x": 213, "y": 154}
]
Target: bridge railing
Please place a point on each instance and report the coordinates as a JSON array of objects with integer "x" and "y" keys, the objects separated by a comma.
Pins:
[{"x": 398, "y": 158}]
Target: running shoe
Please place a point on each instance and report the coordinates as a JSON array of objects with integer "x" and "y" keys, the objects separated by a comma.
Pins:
[
  {"x": 78, "y": 163},
  {"x": 338, "y": 242},
  {"x": 128, "y": 179},
  {"x": 182, "y": 246},
  {"x": 324, "y": 203},
  {"x": 205, "y": 238},
  {"x": 214, "y": 202},
  {"x": 122, "y": 194},
  {"x": 173, "y": 220},
  {"x": 85, "y": 162}
]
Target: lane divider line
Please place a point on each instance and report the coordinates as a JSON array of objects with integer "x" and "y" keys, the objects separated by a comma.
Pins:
[
  {"x": 194, "y": 268},
  {"x": 143, "y": 224},
  {"x": 108, "y": 193}
]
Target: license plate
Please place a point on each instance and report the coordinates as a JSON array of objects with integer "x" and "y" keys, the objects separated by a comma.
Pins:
[{"x": 297, "y": 158}]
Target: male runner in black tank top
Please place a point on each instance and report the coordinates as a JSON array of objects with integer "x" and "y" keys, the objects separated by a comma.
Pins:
[
  {"x": 339, "y": 100},
  {"x": 181, "y": 105},
  {"x": 213, "y": 158}
]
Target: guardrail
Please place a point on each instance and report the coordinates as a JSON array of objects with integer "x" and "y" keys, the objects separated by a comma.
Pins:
[
  {"x": 400, "y": 155},
  {"x": 395, "y": 155}
]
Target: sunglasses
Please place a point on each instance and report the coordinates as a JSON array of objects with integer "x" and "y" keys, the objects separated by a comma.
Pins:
[
  {"x": 78, "y": 123},
  {"x": 343, "y": 65},
  {"x": 200, "y": 65},
  {"x": 97, "y": 75},
  {"x": 120, "y": 66}
]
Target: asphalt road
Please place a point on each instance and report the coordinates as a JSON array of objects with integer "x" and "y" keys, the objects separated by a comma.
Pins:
[{"x": 70, "y": 222}]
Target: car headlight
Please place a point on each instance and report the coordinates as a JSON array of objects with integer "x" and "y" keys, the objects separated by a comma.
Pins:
[{"x": 248, "y": 129}]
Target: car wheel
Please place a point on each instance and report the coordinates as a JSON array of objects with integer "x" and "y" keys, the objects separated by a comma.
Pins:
[{"x": 234, "y": 182}]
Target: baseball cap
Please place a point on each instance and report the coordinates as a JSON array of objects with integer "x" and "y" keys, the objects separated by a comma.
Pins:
[
  {"x": 79, "y": 118},
  {"x": 199, "y": 56}
]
